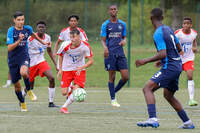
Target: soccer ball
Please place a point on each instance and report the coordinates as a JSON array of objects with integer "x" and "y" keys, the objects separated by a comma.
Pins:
[{"x": 79, "y": 94}]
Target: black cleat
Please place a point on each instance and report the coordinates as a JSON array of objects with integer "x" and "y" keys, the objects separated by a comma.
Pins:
[{"x": 51, "y": 105}]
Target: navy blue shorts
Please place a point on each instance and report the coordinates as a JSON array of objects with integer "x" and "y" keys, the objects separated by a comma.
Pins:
[
  {"x": 14, "y": 69},
  {"x": 167, "y": 79},
  {"x": 115, "y": 62}
]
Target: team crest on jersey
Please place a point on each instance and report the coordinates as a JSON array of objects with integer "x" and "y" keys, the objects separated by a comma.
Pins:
[
  {"x": 26, "y": 35},
  {"x": 120, "y": 27},
  {"x": 26, "y": 62}
]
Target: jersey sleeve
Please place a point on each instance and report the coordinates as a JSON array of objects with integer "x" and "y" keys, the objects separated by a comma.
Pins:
[
  {"x": 176, "y": 40},
  {"x": 61, "y": 36},
  {"x": 124, "y": 30},
  {"x": 10, "y": 39},
  {"x": 88, "y": 52},
  {"x": 29, "y": 28},
  {"x": 103, "y": 30},
  {"x": 83, "y": 36},
  {"x": 159, "y": 41}
]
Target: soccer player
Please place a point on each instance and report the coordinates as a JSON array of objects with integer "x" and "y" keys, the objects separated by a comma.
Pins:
[
  {"x": 72, "y": 65},
  {"x": 187, "y": 37},
  {"x": 113, "y": 33},
  {"x": 38, "y": 65},
  {"x": 18, "y": 57},
  {"x": 167, "y": 77}
]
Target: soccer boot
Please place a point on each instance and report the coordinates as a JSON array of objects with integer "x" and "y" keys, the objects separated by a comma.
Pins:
[
  {"x": 192, "y": 103},
  {"x": 114, "y": 103},
  {"x": 6, "y": 86},
  {"x": 151, "y": 122},
  {"x": 51, "y": 105},
  {"x": 32, "y": 96},
  {"x": 187, "y": 125},
  {"x": 23, "y": 107},
  {"x": 64, "y": 110}
]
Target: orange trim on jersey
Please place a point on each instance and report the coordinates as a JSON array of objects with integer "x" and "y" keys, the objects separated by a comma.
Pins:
[
  {"x": 177, "y": 31},
  {"x": 194, "y": 30}
]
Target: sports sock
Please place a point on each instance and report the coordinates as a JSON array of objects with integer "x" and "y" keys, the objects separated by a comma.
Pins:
[
  {"x": 8, "y": 82},
  {"x": 151, "y": 110},
  {"x": 69, "y": 101},
  {"x": 51, "y": 94},
  {"x": 182, "y": 114},
  {"x": 27, "y": 84},
  {"x": 191, "y": 89},
  {"x": 19, "y": 96},
  {"x": 112, "y": 90},
  {"x": 120, "y": 84}
]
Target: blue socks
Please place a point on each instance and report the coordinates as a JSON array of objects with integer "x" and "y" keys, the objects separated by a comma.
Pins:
[
  {"x": 120, "y": 84},
  {"x": 19, "y": 96},
  {"x": 112, "y": 90},
  {"x": 183, "y": 116},
  {"x": 27, "y": 84},
  {"x": 151, "y": 110}
]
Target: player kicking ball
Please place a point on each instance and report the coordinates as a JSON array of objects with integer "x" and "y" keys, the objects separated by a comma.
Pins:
[
  {"x": 72, "y": 65},
  {"x": 167, "y": 77},
  {"x": 187, "y": 37},
  {"x": 18, "y": 57},
  {"x": 38, "y": 65}
]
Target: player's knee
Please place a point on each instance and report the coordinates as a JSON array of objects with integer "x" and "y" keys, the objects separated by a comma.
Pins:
[{"x": 24, "y": 74}]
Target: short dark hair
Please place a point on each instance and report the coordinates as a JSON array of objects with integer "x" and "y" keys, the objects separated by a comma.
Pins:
[
  {"x": 75, "y": 31},
  {"x": 73, "y": 16},
  {"x": 17, "y": 14},
  {"x": 41, "y": 22},
  {"x": 187, "y": 18},
  {"x": 157, "y": 13}
]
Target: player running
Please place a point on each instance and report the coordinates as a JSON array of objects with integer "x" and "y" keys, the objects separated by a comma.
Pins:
[
  {"x": 38, "y": 65},
  {"x": 18, "y": 57},
  {"x": 72, "y": 65},
  {"x": 167, "y": 77},
  {"x": 113, "y": 33},
  {"x": 187, "y": 37}
]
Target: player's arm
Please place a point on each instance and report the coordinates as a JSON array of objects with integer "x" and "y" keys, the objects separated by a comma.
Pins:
[
  {"x": 34, "y": 35},
  {"x": 103, "y": 43},
  {"x": 60, "y": 58},
  {"x": 194, "y": 46},
  {"x": 50, "y": 53},
  {"x": 12, "y": 46},
  {"x": 56, "y": 47},
  {"x": 123, "y": 41}
]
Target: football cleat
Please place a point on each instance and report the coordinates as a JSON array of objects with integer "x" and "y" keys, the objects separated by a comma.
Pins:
[
  {"x": 51, "y": 105},
  {"x": 23, "y": 107},
  {"x": 187, "y": 125},
  {"x": 151, "y": 122},
  {"x": 193, "y": 103},
  {"x": 64, "y": 110},
  {"x": 32, "y": 96},
  {"x": 6, "y": 86},
  {"x": 114, "y": 103}
]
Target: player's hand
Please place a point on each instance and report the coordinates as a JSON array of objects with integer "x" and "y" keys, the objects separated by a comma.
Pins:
[
  {"x": 122, "y": 43},
  {"x": 139, "y": 63},
  {"x": 48, "y": 44},
  {"x": 106, "y": 53},
  {"x": 58, "y": 74},
  {"x": 158, "y": 64},
  {"x": 78, "y": 70},
  {"x": 181, "y": 53},
  {"x": 54, "y": 55},
  {"x": 21, "y": 36},
  {"x": 194, "y": 49}
]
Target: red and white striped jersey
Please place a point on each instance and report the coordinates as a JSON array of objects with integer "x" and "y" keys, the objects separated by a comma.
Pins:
[
  {"x": 36, "y": 50},
  {"x": 74, "y": 57},
  {"x": 186, "y": 41}
]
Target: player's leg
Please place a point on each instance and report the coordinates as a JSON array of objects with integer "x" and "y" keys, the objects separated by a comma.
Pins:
[
  {"x": 124, "y": 78},
  {"x": 169, "y": 96},
  {"x": 49, "y": 75},
  {"x": 24, "y": 73},
  {"x": 192, "y": 102},
  {"x": 148, "y": 91},
  {"x": 8, "y": 82}
]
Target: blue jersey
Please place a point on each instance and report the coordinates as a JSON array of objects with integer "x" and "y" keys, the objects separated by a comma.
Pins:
[
  {"x": 114, "y": 33},
  {"x": 21, "y": 51},
  {"x": 165, "y": 39}
]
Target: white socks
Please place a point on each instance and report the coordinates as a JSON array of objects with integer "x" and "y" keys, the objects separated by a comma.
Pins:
[
  {"x": 51, "y": 94},
  {"x": 191, "y": 89},
  {"x": 8, "y": 82},
  {"x": 69, "y": 101}
]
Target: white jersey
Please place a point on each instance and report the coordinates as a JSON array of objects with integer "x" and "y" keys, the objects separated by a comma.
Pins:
[
  {"x": 73, "y": 58},
  {"x": 36, "y": 50},
  {"x": 186, "y": 42}
]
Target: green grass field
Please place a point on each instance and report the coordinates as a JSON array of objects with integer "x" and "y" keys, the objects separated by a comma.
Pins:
[{"x": 96, "y": 115}]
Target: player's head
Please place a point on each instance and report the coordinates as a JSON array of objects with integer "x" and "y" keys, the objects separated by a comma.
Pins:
[
  {"x": 18, "y": 19},
  {"x": 75, "y": 36},
  {"x": 73, "y": 21},
  {"x": 156, "y": 15},
  {"x": 41, "y": 27},
  {"x": 113, "y": 10},
  {"x": 187, "y": 23}
]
